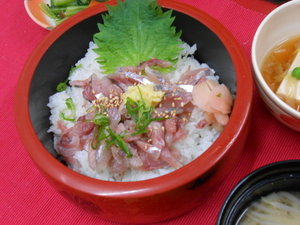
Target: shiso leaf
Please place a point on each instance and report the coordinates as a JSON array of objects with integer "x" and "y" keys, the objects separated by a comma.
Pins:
[{"x": 134, "y": 31}]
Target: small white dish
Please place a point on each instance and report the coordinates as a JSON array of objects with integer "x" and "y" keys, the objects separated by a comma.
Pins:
[
  {"x": 281, "y": 24},
  {"x": 37, "y": 15}
]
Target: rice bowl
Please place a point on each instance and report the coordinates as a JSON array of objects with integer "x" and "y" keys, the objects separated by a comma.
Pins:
[{"x": 149, "y": 200}]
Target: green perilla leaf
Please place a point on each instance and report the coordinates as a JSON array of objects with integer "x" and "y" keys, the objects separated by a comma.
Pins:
[{"x": 134, "y": 31}]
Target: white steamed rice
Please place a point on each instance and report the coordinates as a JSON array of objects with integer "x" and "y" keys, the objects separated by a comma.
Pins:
[{"x": 197, "y": 141}]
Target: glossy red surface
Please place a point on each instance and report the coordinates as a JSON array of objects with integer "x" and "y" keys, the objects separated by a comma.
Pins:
[{"x": 152, "y": 200}]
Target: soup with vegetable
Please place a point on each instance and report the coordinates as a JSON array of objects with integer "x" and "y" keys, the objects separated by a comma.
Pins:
[
  {"x": 281, "y": 71},
  {"x": 276, "y": 208}
]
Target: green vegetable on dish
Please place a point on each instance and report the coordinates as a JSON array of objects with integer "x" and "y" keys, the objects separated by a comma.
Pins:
[
  {"x": 71, "y": 109},
  {"x": 60, "y": 10}
]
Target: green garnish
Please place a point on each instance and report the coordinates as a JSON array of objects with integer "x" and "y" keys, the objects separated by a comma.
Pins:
[
  {"x": 134, "y": 31},
  {"x": 296, "y": 73},
  {"x": 71, "y": 109},
  {"x": 62, "y": 86},
  {"x": 103, "y": 132},
  {"x": 141, "y": 113},
  {"x": 219, "y": 95},
  {"x": 117, "y": 139},
  {"x": 101, "y": 120}
]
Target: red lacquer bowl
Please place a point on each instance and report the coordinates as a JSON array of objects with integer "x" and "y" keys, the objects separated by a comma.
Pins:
[{"x": 151, "y": 200}]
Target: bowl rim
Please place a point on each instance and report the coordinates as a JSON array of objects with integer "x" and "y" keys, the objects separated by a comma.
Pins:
[
  {"x": 36, "y": 15},
  {"x": 257, "y": 74},
  {"x": 188, "y": 173}
]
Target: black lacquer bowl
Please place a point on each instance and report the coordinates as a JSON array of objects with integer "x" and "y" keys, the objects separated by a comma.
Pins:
[{"x": 275, "y": 177}]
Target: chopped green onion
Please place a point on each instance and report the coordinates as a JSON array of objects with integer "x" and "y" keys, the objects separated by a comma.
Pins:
[
  {"x": 296, "y": 73},
  {"x": 117, "y": 139},
  {"x": 139, "y": 111},
  {"x": 99, "y": 135},
  {"x": 71, "y": 108},
  {"x": 141, "y": 114},
  {"x": 101, "y": 120},
  {"x": 104, "y": 132},
  {"x": 61, "y": 87}
]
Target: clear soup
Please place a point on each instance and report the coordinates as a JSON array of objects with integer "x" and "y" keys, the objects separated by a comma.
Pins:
[{"x": 278, "y": 61}]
